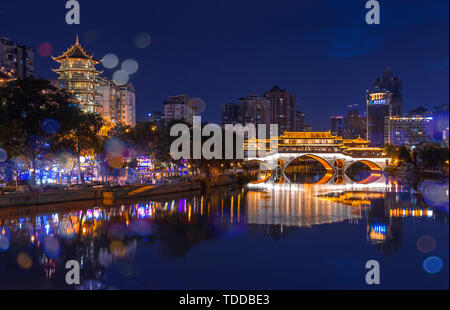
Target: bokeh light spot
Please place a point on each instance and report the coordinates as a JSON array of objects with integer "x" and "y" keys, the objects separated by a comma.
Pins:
[
  {"x": 433, "y": 265},
  {"x": 24, "y": 261},
  {"x": 142, "y": 40},
  {"x": 4, "y": 243},
  {"x": 426, "y": 244},
  {"x": 117, "y": 248},
  {"x": 121, "y": 77},
  {"x": 130, "y": 66},
  {"x": 3, "y": 155},
  {"x": 110, "y": 61},
  {"x": 45, "y": 49}
]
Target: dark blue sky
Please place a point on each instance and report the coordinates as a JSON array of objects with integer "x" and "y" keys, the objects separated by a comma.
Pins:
[{"x": 221, "y": 50}]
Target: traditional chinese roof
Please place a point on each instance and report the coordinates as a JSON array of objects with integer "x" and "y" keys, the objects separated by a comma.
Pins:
[
  {"x": 307, "y": 135},
  {"x": 75, "y": 51},
  {"x": 359, "y": 140}
]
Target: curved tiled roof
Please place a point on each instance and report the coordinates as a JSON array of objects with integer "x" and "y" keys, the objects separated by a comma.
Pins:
[{"x": 75, "y": 51}]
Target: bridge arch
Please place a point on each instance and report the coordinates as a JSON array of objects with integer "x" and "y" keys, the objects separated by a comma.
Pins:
[
  {"x": 376, "y": 171},
  {"x": 330, "y": 172},
  {"x": 268, "y": 168}
]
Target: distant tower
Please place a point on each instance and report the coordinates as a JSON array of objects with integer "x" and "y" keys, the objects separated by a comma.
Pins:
[
  {"x": 78, "y": 75},
  {"x": 394, "y": 85}
]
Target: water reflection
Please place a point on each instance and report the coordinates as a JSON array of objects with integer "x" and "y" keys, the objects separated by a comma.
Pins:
[{"x": 36, "y": 242}]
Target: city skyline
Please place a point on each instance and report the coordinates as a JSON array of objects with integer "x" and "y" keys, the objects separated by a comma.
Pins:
[{"x": 308, "y": 60}]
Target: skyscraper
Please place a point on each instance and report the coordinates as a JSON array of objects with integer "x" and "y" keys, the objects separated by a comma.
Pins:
[
  {"x": 394, "y": 85},
  {"x": 299, "y": 121},
  {"x": 16, "y": 60},
  {"x": 378, "y": 109},
  {"x": 255, "y": 110},
  {"x": 283, "y": 108},
  {"x": 78, "y": 75},
  {"x": 230, "y": 113},
  {"x": 354, "y": 124},
  {"x": 337, "y": 126}
]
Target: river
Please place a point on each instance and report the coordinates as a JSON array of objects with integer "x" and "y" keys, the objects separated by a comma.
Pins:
[{"x": 255, "y": 237}]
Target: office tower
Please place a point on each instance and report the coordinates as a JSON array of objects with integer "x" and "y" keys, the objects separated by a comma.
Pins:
[
  {"x": 230, "y": 113},
  {"x": 378, "y": 108},
  {"x": 283, "y": 108},
  {"x": 394, "y": 85},
  {"x": 78, "y": 75},
  {"x": 411, "y": 131},
  {"x": 177, "y": 108},
  {"x": 337, "y": 125},
  {"x": 299, "y": 121},
  {"x": 16, "y": 61},
  {"x": 255, "y": 110},
  {"x": 354, "y": 124}
]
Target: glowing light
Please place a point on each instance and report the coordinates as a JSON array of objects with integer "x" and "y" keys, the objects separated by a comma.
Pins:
[
  {"x": 130, "y": 66},
  {"x": 110, "y": 61}
]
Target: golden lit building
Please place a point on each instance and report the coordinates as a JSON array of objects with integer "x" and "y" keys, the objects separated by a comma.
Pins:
[
  {"x": 77, "y": 74},
  {"x": 315, "y": 142}
]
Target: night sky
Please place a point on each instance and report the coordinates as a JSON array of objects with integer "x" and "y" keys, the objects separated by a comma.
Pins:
[{"x": 221, "y": 50}]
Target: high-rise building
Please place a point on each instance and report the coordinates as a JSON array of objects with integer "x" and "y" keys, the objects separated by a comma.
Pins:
[
  {"x": 299, "y": 121},
  {"x": 441, "y": 117},
  {"x": 337, "y": 126},
  {"x": 255, "y": 110},
  {"x": 126, "y": 104},
  {"x": 78, "y": 75},
  {"x": 283, "y": 108},
  {"x": 230, "y": 113},
  {"x": 116, "y": 102},
  {"x": 394, "y": 85},
  {"x": 16, "y": 61},
  {"x": 378, "y": 108},
  {"x": 410, "y": 131},
  {"x": 354, "y": 124},
  {"x": 177, "y": 108}
]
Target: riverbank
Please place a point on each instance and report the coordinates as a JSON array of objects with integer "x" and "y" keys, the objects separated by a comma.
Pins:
[{"x": 107, "y": 194}]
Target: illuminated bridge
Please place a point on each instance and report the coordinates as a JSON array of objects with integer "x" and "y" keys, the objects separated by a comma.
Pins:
[{"x": 294, "y": 156}]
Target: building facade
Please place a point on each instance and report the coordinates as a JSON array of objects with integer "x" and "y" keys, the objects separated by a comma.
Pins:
[
  {"x": 299, "y": 121},
  {"x": 16, "y": 61},
  {"x": 230, "y": 113},
  {"x": 177, "y": 108},
  {"x": 283, "y": 108},
  {"x": 78, "y": 75},
  {"x": 378, "y": 108},
  {"x": 337, "y": 125},
  {"x": 116, "y": 103},
  {"x": 394, "y": 85},
  {"x": 255, "y": 110},
  {"x": 354, "y": 124},
  {"x": 410, "y": 131}
]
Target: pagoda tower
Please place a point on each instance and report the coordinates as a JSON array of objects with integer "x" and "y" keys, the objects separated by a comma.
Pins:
[{"x": 78, "y": 75}]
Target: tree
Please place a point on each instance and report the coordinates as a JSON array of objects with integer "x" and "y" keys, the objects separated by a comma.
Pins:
[
  {"x": 33, "y": 115},
  {"x": 83, "y": 139}
]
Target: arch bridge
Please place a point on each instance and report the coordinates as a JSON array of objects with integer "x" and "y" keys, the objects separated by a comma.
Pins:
[{"x": 336, "y": 156}]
